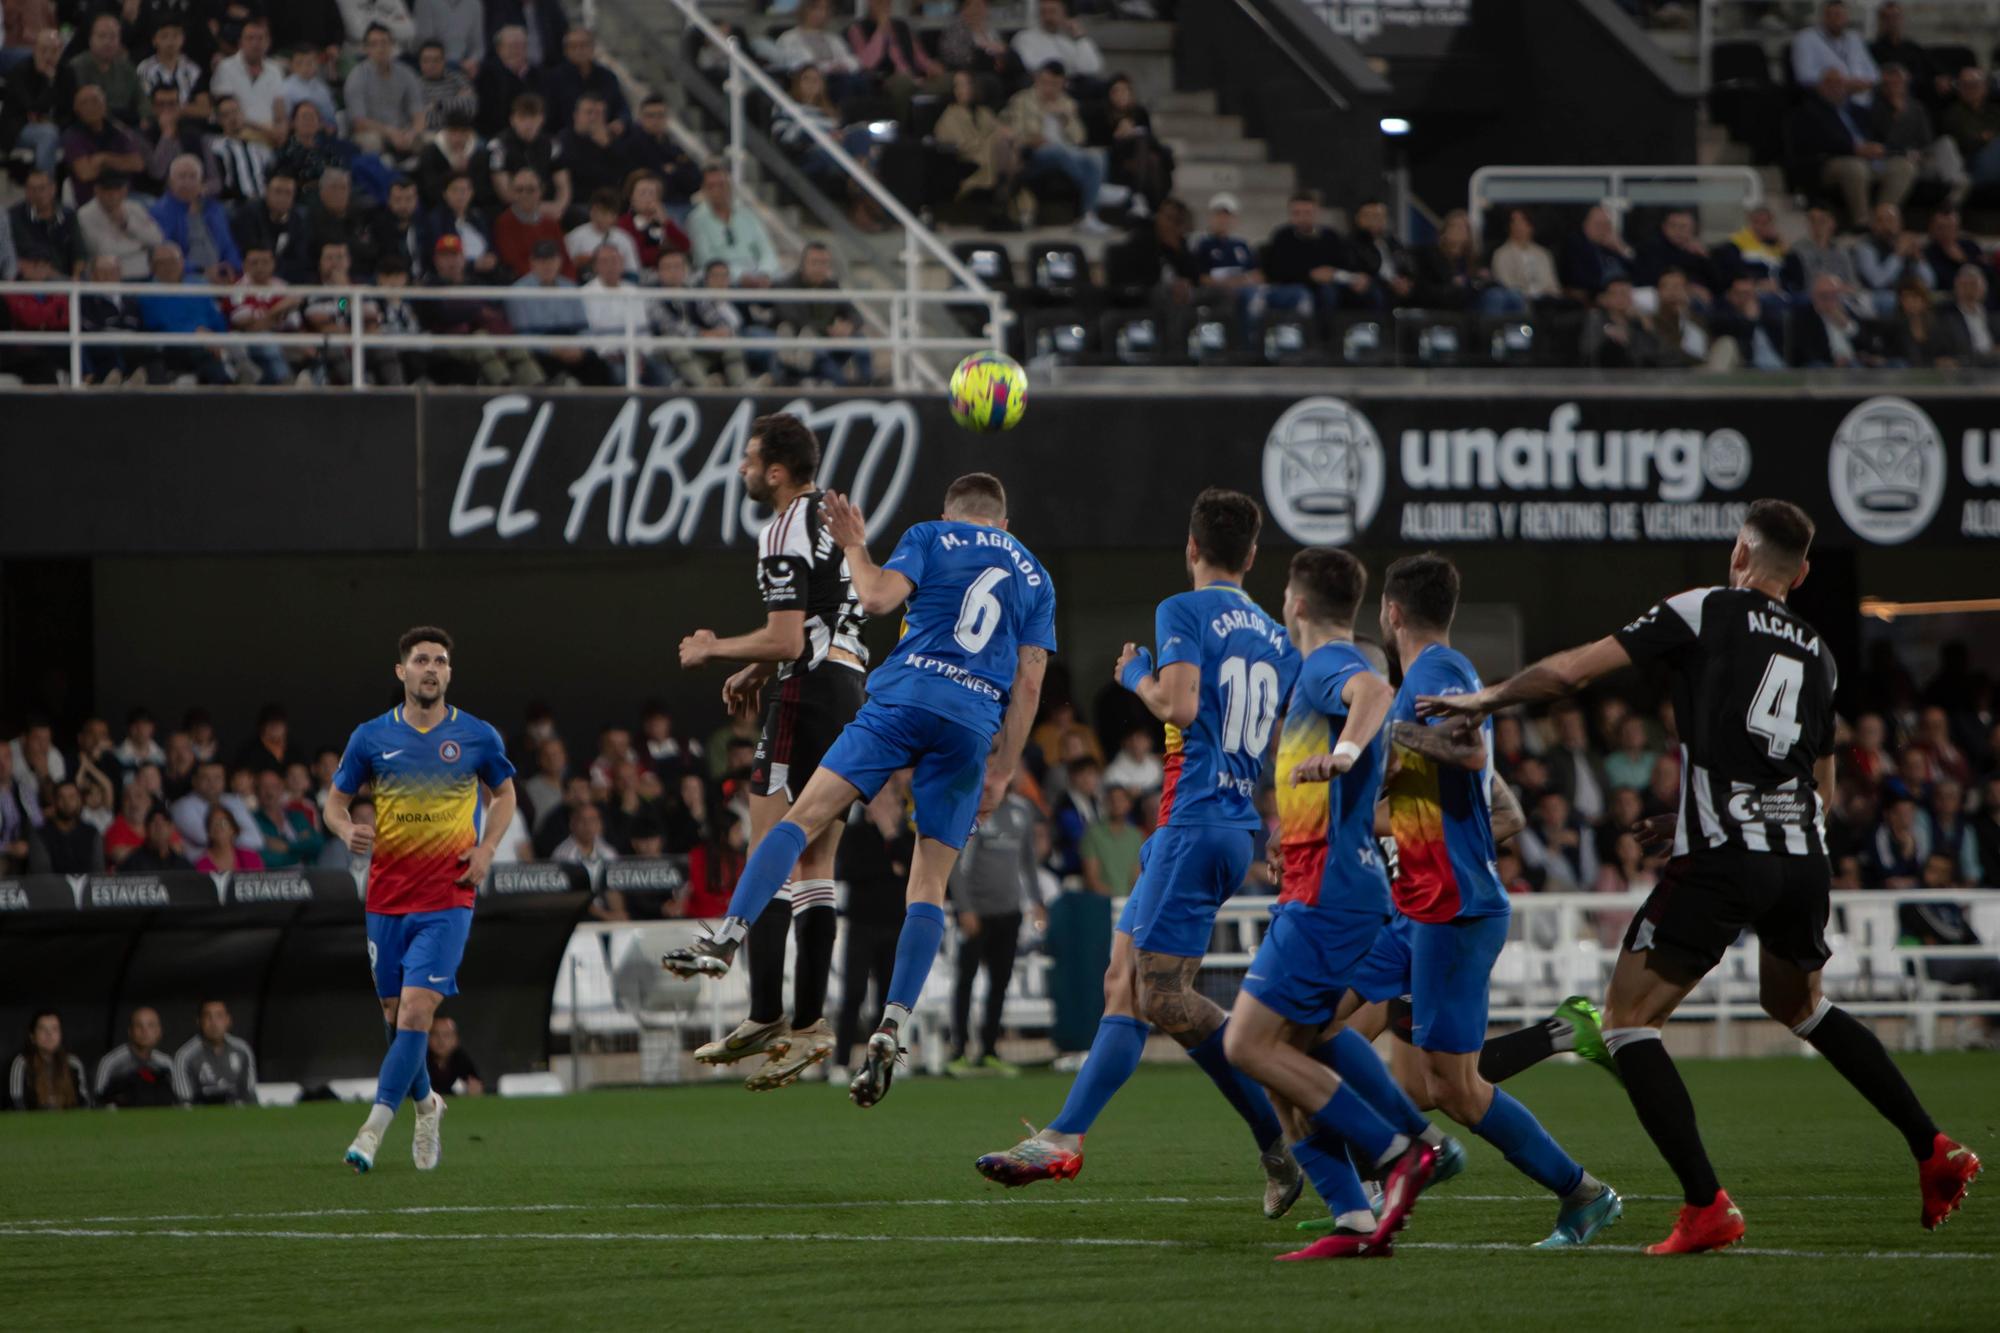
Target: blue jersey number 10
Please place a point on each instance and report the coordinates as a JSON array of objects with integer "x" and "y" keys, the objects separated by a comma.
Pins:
[{"x": 1250, "y": 706}]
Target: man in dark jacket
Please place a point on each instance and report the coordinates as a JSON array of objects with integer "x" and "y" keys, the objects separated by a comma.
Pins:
[
  {"x": 1830, "y": 148},
  {"x": 65, "y": 845}
]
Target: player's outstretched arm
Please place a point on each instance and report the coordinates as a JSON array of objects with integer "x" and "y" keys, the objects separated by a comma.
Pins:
[
  {"x": 1023, "y": 701},
  {"x": 879, "y": 590},
  {"x": 1458, "y": 743},
  {"x": 782, "y": 639},
  {"x": 1551, "y": 678}
]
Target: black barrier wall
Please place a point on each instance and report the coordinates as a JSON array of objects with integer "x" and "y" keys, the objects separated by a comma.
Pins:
[{"x": 287, "y": 950}]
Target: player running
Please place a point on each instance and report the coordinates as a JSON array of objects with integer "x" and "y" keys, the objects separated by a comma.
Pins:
[
  {"x": 1223, "y": 669},
  {"x": 811, "y": 643},
  {"x": 1753, "y": 690},
  {"x": 1451, "y": 909},
  {"x": 955, "y": 699},
  {"x": 444, "y": 796},
  {"x": 1333, "y": 902}
]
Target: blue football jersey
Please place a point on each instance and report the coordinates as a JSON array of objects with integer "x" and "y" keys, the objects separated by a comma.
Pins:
[
  {"x": 1442, "y": 815},
  {"x": 1247, "y": 667},
  {"x": 977, "y": 597},
  {"x": 1327, "y": 829}
]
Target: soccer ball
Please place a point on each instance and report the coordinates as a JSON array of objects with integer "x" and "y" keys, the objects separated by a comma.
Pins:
[{"x": 989, "y": 391}]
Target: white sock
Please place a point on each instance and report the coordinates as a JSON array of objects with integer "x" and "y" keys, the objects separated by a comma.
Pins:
[
  {"x": 379, "y": 1119},
  {"x": 1432, "y": 1136},
  {"x": 1359, "y": 1220},
  {"x": 1397, "y": 1147},
  {"x": 732, "y": 930},
  {"x": 1586, "y": 1189},
  {"x": 894, "y": 1015}
]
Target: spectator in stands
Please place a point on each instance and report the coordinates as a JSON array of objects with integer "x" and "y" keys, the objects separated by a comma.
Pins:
[
  {"x": 720, "y": 230},
  {"x": 167, "y": 135},
  {"x": 542, "y": 25},
  {"x": 190, "y": 812},
  {"x": 256, "y": 83},
  {"x": 305, "y": 82},
  {"x": 454, "y": 151},
  {"x": 1916, "y": 336},
  {"x": 1679, "y": 331},
  {"x": 290, "y": 836},
  {"x": 1973, "y": 122},
  {"x": 1557, "y": 846},
  {"x": 1057, "y": 37},
  {"x": 614, "y": 747},
  {"x": 96, "y": 144},
  {"x": 104, "y": 65},
  {"x": 681, "y": 318},
  {"x": 445, "y": 88},
  {"x": 650, "y": 146},
  {"x": 141, "y": 745},
  {"x": 1966, "y": 326},
  {"x": 647, "y": 221},
  {"x": 1446, "y": 276},
  {"x": 1945, "y": 923},
  {"x": 222, "y": 853},
  {"x": 385, "y": 100},
  {"x": 338, "y": 218},
  {"x": 586, "y": 846},
  {"x": 390, "y": 15},
  {"x": 793, "y": 132},
  {"x": 1678, "y": 245},
  {"x": 1901, "y": 843},
  {"x": 1615, "y": 335},
  {"x": 1887, "y": 258},
  {"x": 17, "y": 825},
  {"x": 1892, "y": 46},
  {"x": 1136, "y": 767},
  {"x": 1834, "y": 47},
  {"x": 504, "y": 79},
  {"x": 215, "y": 1067},
  {"x": 1952, "y": 831},
  {"x": 127, "y": 833},
  {"x": 1135, "y": 161},
  {"x": 975, "y": 133},
  {"x": 1373, "y": 249},
  {"x": 1949, "y": 249},
  {"x": 1819, "y": 253},
  {"x": 1833, "y": 149},
  {"x": 1902, "y": 125},
  {"x": 1154, "y": 265},
  {"x": 1076, "y": 810},
  {"x": 1829, "y": 335},
  {"x": 136, "y": 1072},
  {"x": 1522, "y": 266},
  {"x": 1595, "y": 257},
  {"x": 515, "y": 365},
  {"x": 580, "y": 73},
  {"x": 65, "y": 844},
  {"x": 451, "y": 1069},
  {"x": 1756, "y": 248},
  {"x": 456, "y": 27},
  {"x": 41, "y": 221},
  {"x": 814, "y": 43},
  {"x": 400, "y": 234},
  {"x": 109, "y": 363},
  {"x": 830, "y": 318},
  {"x": 45, "y": 1076},
  {"x": 243, "y": 164},
  {"x": 35, "y": 312},
  {"x": 461, "y": 217},
  {"x": 1109, "y": 848},
  {"x": 875, "y": 853},
  {"x": 275, "y": 223},
  {"x": 607, "y": 313},
  {"x": 889, "y": 53},
  {"x": 310, "y": 149},
  {"x": 524, "y": 147},
  {"x": 525, "y": 223},
  {"x": 543, "y": 790},
  {"x": 1933, "y": 737},
  {"x": 114, "y": 225},
  {"x": 589, "y": 152},
  {"x": 1047, "y": 125},
  {"x": 532, "y": 317},
  {"x": 169, "y": 66},
  {"x": 29, "y": 106},
  {"x": 1986, "y": 832},
  {"x": 193, "y": 220}
]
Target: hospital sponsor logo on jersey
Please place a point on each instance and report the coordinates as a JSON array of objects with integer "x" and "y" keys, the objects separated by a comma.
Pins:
[
  {"x": 1323, "y": 472},
  {"x": 1886, "y": 469}
]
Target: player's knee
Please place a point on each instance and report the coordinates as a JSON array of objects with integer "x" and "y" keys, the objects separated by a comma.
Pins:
[
  {"x": 1788, "y": 1005},
  {"x": 1242, "y": 1049}
]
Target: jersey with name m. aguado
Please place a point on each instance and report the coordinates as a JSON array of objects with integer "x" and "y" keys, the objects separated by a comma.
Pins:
[
  {"x": 1327, "y": 829},
  {"x": 427, "y": 807},
  {"x": 1247, "y": 666},
  {"x": 1442, "y": 814},
  {"x": 1753, "y": 701},
  {"x": 977, "y": 597},
  {"x": 800, "y": 569}
]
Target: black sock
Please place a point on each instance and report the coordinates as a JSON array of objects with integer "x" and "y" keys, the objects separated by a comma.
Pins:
[
  {"x": 816, "y": 928},
  {"x": 388, "y": 1032},
  {"x": 1364, "y": 1166},
  {"x": 1505, "y": 1056},
  {"x": 764, "y": 950},
  {"x": 1857, "y": 1053},
  {"x": 1667, "y": 1113}
]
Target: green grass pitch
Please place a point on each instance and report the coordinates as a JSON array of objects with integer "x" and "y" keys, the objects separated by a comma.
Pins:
[{"x": 707, "y": 1205}]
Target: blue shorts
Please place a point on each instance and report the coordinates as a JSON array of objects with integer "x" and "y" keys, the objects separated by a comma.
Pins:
[
  {"x": 1445, "y": 968},
  {"x": 417, "y": 949},
  {"x": 1307, "y": 960},
  {"x": 949, "y": 758},
  {"x": 1186, "y": 873}
]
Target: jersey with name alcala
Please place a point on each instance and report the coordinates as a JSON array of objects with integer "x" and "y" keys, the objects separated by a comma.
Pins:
[
  {"x": 1442, "y": 814},
  {"x": 1327, "y": 829},
  {"x": 1753, "y": 701},
  {"x": 1247, "y": 666},
  {"x": 977, "y": 597},
  {"x": 800, "y": 569},
  {"x": 427, "y": 807}
]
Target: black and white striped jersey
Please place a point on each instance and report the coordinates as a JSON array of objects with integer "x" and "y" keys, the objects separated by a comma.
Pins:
[
  {"x": 1753, "y": 701},
  {"x": 800, "y": 569}
]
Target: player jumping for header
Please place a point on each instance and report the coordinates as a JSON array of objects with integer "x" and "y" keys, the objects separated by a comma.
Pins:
[
  {"x": 955, "y": 700},
  {"x": 1753, "y": 692},
  {"x": 436, "y": 772}
]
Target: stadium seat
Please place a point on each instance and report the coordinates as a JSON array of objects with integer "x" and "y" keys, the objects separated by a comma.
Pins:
[
  {"x": 1432, "y": 338},
  {"x": 1362, "y": 340},
  {"x": 1507, "y": 340},
  {"x": 1061, "y": 335},
  {"x": 1059, "y": 274},
  {"x": 1207, "y": 335},
  {"x": 1136, "y": 338},
  {"x": 1288, "y": 338}
]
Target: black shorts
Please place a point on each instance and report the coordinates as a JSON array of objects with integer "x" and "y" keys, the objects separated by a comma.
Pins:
[
  {"x": 1706, "y": 899},
  {"x": 803, "y": 715}
]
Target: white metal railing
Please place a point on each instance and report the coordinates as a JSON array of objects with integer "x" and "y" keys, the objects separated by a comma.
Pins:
[
  {"x": 918, "y": 240},
  {"x": 630, "y": 344},
  {"x": 1618, "y": 188}
]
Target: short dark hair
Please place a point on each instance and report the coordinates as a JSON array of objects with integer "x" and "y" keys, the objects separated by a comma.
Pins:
[
  {"x": 527, "y": 104},
  {"x": 979, "y": 494},
  {"x": 374, "y": 28},
  {"x": 651, "y": 99},
  {"x": 421, "y": 634},
  {"x": 1426, "y": 587},
  {"x": 1224, "y": 525},
  {"x": 432, "y": 45},
  {"x": 604, "y": 197},
  {"x": 1781, "y": 525},
  {"x": 1305, "y": 196},
  {"x": 789, "y": 443},
  {"x": 1331, "y": 581}
]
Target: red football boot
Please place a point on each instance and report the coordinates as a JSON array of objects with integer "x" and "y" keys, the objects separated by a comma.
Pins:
[
  {"x": 1342, "y": 1245},
  {"x": 1032, "y": 1159},
  {"x": 1407, "y": 1177},
  {"x": 1945, "y": 1176},
  {"x": 1716, "y": 1227}
]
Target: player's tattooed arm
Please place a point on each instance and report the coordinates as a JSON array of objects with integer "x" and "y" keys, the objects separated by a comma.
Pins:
[
  {"x": 1023, "y": 700},
  {"x": 1458, "y": 744},
  {"x": 879, "y": 590},
  {"x": 1507, "y": 817},
  {"x": 1551, "y": 678}
]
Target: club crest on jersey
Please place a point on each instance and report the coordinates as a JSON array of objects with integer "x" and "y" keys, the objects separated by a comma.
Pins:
[{"x": 449, "y": 751}]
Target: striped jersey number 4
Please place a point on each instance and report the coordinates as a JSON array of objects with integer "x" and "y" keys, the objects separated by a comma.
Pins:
[
  {"x": 979, "y": 613},
  {"x": 1774, "y": 710},
  {"x": 1250, "y": 704}
]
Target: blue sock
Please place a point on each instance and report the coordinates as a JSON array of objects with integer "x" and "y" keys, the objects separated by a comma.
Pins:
[
  {"x": 1353, "y": 1119},
  {"x": 767, "y": 870},
  {"x": 916, "y": 950},
  {"x": 1324, "y": 1160},
  {"x": 1513, "y": 1129},
  {"x": 420, "y": 1089},
  {"x": 400, "y": 1066},
  {"x": 1244, "y": 1093},
  {"x": 1349, "y": 1055},
  {"x": 1114, "y": 1058}
]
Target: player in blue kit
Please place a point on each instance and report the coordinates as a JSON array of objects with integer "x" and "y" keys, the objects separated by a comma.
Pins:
[
  {"x": 1222, "y": 670},
  {"x": 1451, "y": 908},
  {"x": 955, "y": 700},
  {"x": 1333, "y": 901}
]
